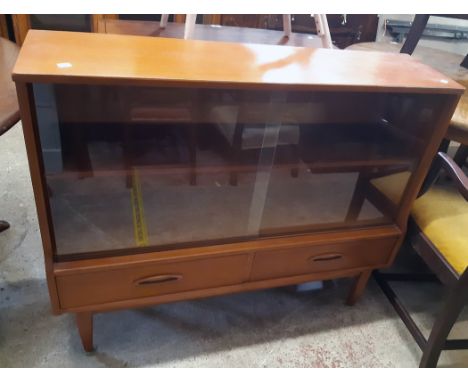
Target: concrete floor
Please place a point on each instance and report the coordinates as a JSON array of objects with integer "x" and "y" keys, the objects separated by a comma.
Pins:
[{"x": 273, "y": 328}]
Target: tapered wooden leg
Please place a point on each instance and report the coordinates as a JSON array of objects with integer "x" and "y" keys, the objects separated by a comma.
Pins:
[
  {"x": 84, "y": 321},
  {"x": 453, "y": 305},
  {"x": 358, "y": 287}
]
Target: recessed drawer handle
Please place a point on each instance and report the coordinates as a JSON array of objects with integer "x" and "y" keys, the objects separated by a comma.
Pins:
[
  {"x": 327, "y": 257},
  {"x": 157, "y": 279}
]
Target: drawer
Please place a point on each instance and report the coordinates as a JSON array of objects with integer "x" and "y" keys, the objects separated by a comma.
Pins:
[
  {"x": 322, "y": 258},
  {"x": 138, "y": 281}
]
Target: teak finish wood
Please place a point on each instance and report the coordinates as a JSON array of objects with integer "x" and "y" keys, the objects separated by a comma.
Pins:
[
  {"x": 36, "y": 169},
  {"x": 168, "y": 62},
  {"x": 135, "y": 279},
  {"x": 151, "y": 280}
]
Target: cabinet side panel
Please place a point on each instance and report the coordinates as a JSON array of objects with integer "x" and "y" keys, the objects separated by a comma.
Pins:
[
  {"x": 445, "y": 106},
  {"x": 28, "y": 118}
]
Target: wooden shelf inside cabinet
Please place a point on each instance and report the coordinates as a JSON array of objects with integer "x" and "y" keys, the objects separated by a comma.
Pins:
[{"x": 175, "y": 172}]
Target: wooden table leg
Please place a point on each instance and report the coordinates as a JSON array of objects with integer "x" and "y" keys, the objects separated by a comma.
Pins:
[
  {"x": 358, "y": 287},
  {"x": 84, "y": 321}
]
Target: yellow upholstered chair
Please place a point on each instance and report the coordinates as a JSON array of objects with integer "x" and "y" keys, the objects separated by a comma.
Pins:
[{"x": 439, "y": 234}]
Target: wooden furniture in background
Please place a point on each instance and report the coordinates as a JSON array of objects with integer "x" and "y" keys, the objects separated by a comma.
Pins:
[
  {"x": 417, "y": 29},
  {"x": 207, "y": 32},
  {"x": 438, "y": 234},
  {"x": 109, "y": 247},
  {"x": 448, "y": 63},
  {"x": 9, "y": 110},
  {"x": 458, "y": 129},
  {"x": 345, "y": 30},
  {"x": 81, "y": 23},
  {"x": 321, "y": 27},
  {"x": 3, "y": 27}
]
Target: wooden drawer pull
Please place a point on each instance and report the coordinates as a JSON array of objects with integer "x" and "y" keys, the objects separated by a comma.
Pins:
[
  {"x": 326, "y": 257},
  {"x": 157, "y": 279}
]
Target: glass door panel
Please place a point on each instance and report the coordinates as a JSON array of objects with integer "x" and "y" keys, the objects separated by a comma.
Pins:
[{"x": 130, "y": 167}]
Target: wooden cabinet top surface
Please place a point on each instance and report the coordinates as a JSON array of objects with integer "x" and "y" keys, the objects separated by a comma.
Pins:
[{"x": 67, "y": 57}]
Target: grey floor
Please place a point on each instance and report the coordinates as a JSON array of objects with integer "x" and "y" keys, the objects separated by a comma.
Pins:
[{"x": 273, "y": 328}]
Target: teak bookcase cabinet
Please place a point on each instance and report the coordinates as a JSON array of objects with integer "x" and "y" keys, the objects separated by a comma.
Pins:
[{"x": 166, "y": 170}]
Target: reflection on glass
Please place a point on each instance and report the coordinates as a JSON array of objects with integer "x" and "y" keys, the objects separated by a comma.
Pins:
[
  {"x": 167, "y": 168},
  {"x": 72, "y": 23}
]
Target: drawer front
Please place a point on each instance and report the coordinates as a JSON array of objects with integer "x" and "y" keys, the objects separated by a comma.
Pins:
[
  {"x": 137, "y": 281},
  {"x": 321, "y": 258}
]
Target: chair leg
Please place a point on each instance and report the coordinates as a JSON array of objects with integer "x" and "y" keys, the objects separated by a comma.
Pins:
[
  {"x": 235, "y": 159},
  {"x": 190, "y": 21},
  {"x": 294, "y": 150},
  {"x": 191, "y": 134},
  {"x": 4, "y": 225},
  {"x": 323, "y": 30},
  {"x": 287, "y": 28},
  {"x": 453, "y": 305},
  {"x": 81, "y": 152},
  {"x": 414, "y": 34},
  {"x": 236, "y": 152},
  {"x": 464, "y": 63},
  {"x": 400, "y": 309},
  {"x": 358, "y": 198},
  {"x": 461, "y": 155},
  {"x": 128, "y": 150},
  {"x": 163, "y": 22}
]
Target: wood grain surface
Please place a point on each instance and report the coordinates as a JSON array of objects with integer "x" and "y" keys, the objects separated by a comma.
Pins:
[{"x": 68, "y": 57}]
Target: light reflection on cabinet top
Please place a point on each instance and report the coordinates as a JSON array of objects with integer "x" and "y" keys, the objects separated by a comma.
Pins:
[{"x": 68, "y": 57}]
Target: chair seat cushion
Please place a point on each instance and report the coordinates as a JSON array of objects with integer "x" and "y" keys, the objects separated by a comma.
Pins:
[
  {"x": 392, "y": 186},
  {"x": 442, "y": 215},
  {"x": 458, "y": 129}
]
